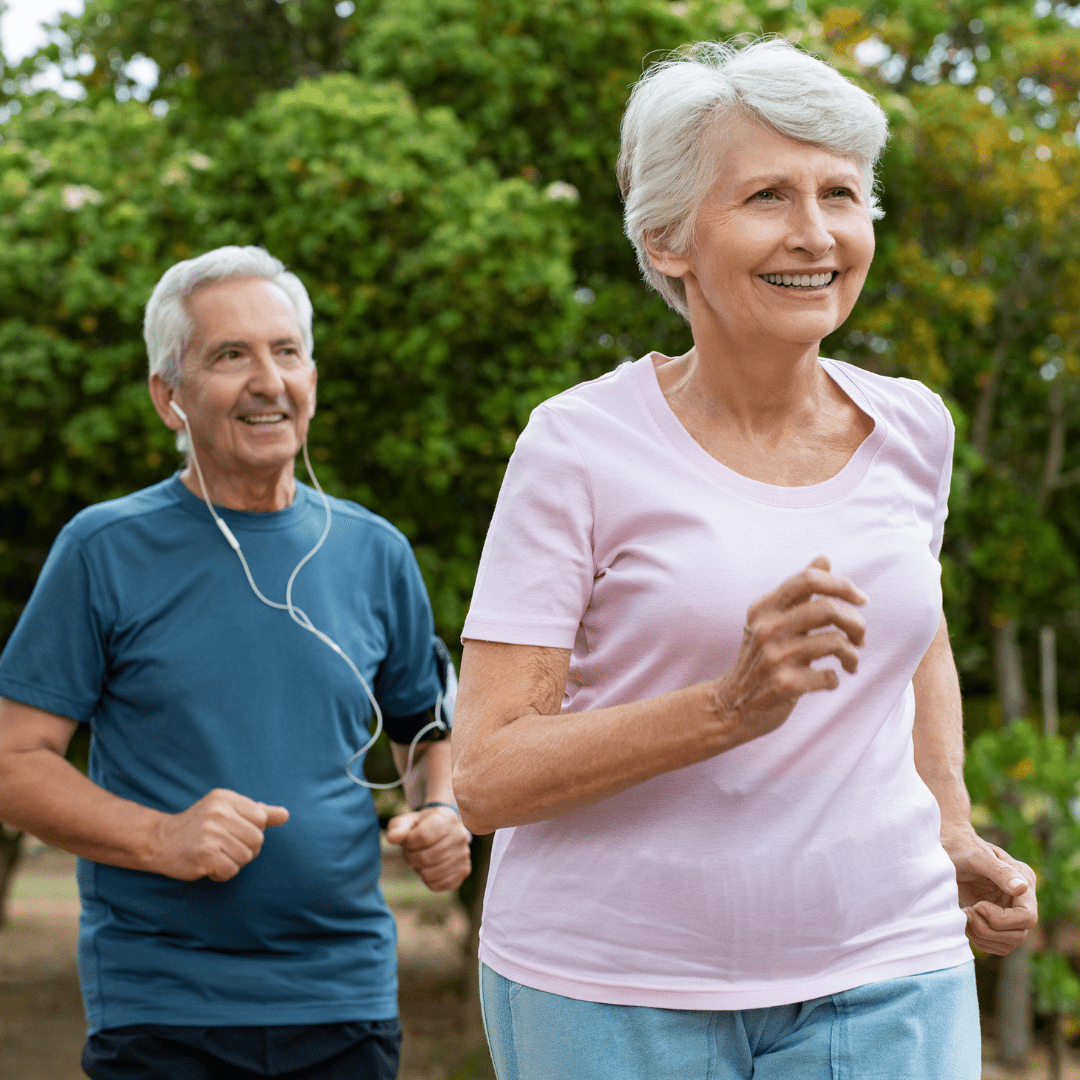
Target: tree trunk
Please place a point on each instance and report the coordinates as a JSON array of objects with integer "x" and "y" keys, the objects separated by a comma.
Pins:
[
  {"x": 1010, "y": 672},
  {"x": 1014, "y": 1019},
  {"x": 10, "y": 852}
]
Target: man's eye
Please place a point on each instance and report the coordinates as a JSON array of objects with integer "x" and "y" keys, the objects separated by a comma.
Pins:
[{"x": 840, "y": 193}]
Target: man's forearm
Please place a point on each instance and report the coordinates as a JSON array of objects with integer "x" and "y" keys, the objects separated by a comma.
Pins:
[
  {"x": 938, "y": 733},
  {"x": 46, "y": 796},
  {"x": 431, "y": 779}
]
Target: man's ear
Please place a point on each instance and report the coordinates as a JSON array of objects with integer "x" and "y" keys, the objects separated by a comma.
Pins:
[
  {"x": 161, "y": 393},
  {"x": 314, "y": 384},
  {"x": 663, "y": 258}
]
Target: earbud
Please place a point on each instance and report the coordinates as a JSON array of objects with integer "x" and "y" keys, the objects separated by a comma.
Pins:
[{"x": 179, "y": 412}]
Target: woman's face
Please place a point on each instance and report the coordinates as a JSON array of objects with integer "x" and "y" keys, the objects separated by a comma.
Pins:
[{"x": 781, "y": 245}]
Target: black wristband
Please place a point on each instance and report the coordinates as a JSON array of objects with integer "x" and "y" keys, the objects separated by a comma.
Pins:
[{"x": 449, "y": 806}]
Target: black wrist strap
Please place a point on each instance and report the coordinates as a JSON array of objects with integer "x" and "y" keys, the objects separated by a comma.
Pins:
[{"x": 449, "y": 806}]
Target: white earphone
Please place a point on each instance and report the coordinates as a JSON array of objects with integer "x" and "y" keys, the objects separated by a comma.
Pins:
[{"x": 443, "y": 707}]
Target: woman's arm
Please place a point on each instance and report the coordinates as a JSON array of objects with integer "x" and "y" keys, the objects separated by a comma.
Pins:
[
  {"x": 518, "y": 760},
  {"x": 996, "y": 891}
]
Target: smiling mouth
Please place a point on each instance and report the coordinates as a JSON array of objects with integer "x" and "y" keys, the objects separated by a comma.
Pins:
[
  {"x": 801, "y": 281},
  {"x": 262, "y": 418}
]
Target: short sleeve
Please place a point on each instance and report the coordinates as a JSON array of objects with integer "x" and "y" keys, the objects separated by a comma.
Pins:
[
  {"x": 408, "y": 679},
  {"x": 536, "y": 572},
  {"x": 941, "y": 506},
  {"x": 56, "y": 657}
]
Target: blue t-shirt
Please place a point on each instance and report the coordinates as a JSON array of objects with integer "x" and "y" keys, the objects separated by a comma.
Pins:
[{"x": 143, "y": 624}]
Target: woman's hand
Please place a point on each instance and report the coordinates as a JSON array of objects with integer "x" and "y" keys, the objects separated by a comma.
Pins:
[
  {"x": 997, "y": 892},
  {"x": 785, "y": 632}
]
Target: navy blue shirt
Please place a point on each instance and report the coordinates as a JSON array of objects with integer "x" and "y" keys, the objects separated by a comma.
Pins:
[{"x": 142, "y": 624}]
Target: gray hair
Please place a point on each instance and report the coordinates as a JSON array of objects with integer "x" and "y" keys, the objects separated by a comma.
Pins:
[
  {"x": 167, "y": 327},
  {"x": 669, "y": 156}
]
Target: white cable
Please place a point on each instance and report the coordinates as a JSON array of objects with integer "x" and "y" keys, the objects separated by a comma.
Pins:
[{"x": 301, "y": 619}]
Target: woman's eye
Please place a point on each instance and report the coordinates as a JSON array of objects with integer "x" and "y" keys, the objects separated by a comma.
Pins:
[{"x": 763, "y": 196}]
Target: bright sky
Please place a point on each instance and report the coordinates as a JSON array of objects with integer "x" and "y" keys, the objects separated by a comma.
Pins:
[{"x": 20, "y": 25}]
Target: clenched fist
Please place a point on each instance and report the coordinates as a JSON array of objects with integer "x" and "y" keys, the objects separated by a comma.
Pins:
[
  {"x": 435, "y": 844},
  {"x": 810, "y": 616},
  {"x": 212, "y": 838}
]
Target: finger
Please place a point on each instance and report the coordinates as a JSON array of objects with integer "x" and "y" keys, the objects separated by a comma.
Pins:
[
  {"x": 793, "y": 682},
  {"x": 802, "y": 651},
  {"x": 1005, "y": 918},
  {"x": 275, "y": 815},
  {"x": 997, "y": 942},
  {"x": 427, "y": 854},
  {"x": 815, "y": 580},
  {"x": 814, "y": 614},
  {"x": 1007, "y": 873},
  {"x": 432, "y": 825},
  {"x": 447, "y": 876},
  {"x": 400, "y": 826}
]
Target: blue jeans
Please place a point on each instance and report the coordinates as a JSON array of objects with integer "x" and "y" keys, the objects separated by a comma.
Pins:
[{"x": 923, "y": 1027}]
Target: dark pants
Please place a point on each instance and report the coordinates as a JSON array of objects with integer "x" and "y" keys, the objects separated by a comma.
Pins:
[{"x": 361, "y": 1050}]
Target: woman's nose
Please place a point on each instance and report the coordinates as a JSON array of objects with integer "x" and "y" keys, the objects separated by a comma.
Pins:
[{"x": 809, "y": 229}]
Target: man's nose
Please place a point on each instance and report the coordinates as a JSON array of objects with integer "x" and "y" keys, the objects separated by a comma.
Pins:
[{"x": 265, "y": 377}]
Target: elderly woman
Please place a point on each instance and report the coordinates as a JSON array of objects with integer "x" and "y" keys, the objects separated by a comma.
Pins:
[{"x": 707, "y": 697}]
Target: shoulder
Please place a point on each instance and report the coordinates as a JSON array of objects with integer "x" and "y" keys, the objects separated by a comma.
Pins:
[
  {"x": 907, "y": 406},
  {"x": 361, "y": 524},
  {"x": 102, "y": 519},
  {"x": 583, "y": 415}
]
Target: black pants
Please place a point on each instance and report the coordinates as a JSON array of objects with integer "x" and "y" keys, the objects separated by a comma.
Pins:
[{"x": 361, "y": 1050}]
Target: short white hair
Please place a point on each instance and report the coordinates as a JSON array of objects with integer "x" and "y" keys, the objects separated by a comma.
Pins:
[
  {"x": 167, "y": 327},
  {"x": 670, "y": 146}
]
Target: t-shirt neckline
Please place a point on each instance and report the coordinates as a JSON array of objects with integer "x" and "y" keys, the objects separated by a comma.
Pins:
[
  {"x": 831, "y": 490},
  {"x": 249, "y": 521}
]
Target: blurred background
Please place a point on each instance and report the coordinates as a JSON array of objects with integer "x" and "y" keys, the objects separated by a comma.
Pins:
[{"x": 440, "y": 173}]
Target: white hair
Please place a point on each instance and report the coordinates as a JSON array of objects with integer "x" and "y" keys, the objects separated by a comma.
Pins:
[
  {"x": 670, "y": 146},
  {"x": 167, "y": 327}
]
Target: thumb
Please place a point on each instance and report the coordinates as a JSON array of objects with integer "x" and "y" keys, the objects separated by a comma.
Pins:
[
  {"x": 275, "y": 815},
  {"x": 400, "y": 827},
  {"x": 1005, "y": 875},
  {"x": 821, "y": 563}
]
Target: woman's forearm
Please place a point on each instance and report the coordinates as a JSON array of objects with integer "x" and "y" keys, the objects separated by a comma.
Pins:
[
  {"x": 541, "y": 764},
  {"x": 518, "y": 760}
]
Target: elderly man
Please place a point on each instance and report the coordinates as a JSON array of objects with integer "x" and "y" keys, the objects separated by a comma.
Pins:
[{"x": 232, "y": 922}]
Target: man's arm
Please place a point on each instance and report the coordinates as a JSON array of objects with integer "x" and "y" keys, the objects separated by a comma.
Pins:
[
  {"x": 433, "y": 841},
  {"x": 43, "y": 794},
  {"x": 997, "y": 892}
]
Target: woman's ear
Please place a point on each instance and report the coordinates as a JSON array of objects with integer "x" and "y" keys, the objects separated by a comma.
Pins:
[{"x": 663, "y": 258}]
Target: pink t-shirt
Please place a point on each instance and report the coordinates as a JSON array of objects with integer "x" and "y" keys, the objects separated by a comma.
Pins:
[{"x": 800, "y": 864}]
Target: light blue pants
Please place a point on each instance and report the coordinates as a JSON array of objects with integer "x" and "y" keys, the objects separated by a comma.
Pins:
[{"x": 924, "y": 1027}]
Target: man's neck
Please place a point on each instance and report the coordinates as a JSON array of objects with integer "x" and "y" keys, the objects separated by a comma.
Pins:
[{"x": 256, "y": 494}]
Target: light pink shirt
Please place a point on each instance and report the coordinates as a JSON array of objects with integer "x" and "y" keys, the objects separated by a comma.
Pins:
[{"x": 800, "y": 864}]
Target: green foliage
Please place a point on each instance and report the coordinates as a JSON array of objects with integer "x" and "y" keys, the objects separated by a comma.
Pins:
[
  {"x": 400, "y": 157},
  {"x": 1025, "y": 789}
]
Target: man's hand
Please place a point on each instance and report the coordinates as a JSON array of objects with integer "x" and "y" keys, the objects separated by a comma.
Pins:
[
  {"x": 435, "y": 844},
  {"x": 213, "y": 838},
  {"x": 997, "y": 892}
]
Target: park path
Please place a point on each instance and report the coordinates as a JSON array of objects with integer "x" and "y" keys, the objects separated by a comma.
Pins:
[{"x": 41, "y": 1020}]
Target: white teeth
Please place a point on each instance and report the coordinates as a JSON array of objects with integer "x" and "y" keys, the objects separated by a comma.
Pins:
[
  {"x": 269, "y": 418},
  {"x": 800, "y": 281}
]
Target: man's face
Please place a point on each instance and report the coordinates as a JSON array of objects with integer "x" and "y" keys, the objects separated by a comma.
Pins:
[{"x": 247, "y": 383}]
